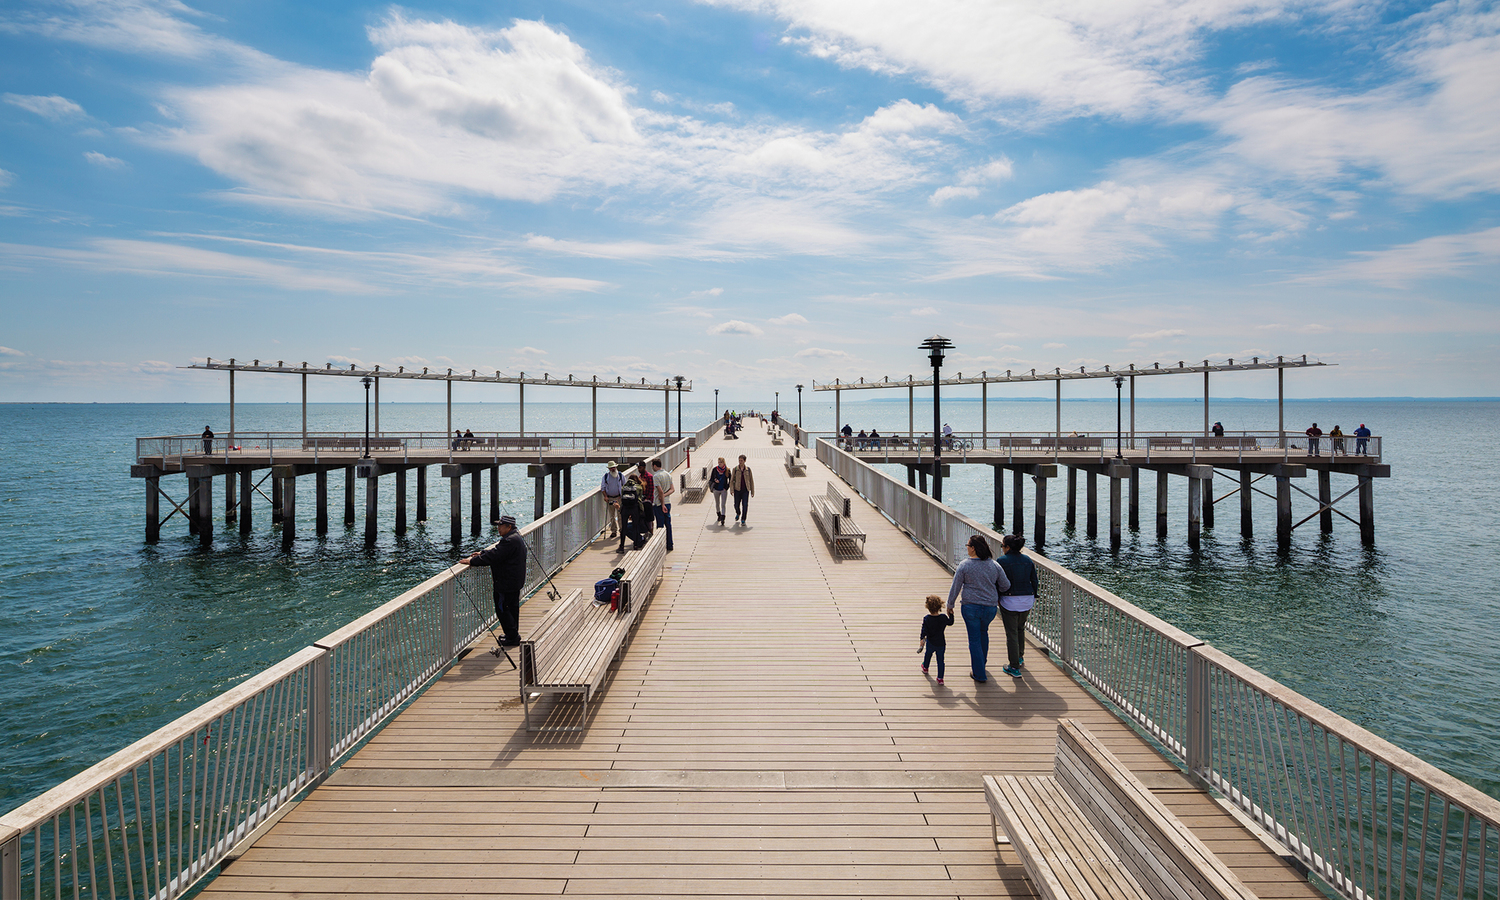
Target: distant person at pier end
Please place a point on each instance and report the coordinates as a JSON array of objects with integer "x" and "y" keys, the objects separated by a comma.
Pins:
[
  {"x": 848, "y": 434},
  {"x": 742, "y": 483},
  {"x": 981, "y": 581},
  {"x": 1218, "y": 429},
  {"x": 610, "y": 486},
  {"x": 458, "y": 440},
  {"x": 1361, "y": 439},
  {"x": 1337, "y": 437},
  {"x": 1313, "y": 434},
  {"x": 947, "y": 436},
  {"x": 718, "y": 482},
  {"x": 862, "y": 439},
  {"x": 468, "y": 443},
  {"x": 507, "y": 562},
  {"x": 1017, "y": 600},
  {"x": 933, "y": 642},
  {"x": 874, "y": 439},
  {"x": 208, "y": 440},
  {"x": 663, "y": 489}
]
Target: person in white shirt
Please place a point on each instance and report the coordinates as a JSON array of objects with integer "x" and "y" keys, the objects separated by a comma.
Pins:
[
  {"x": 611, "y": 486},
  {"x": 661, "y": 498}
]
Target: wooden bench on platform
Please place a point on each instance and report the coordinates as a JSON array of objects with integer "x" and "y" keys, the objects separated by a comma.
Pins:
[
  {"x": 1226, "y": 443},
  {"x": 352, "y": 443},
  {"x": 633, "y": 442},
  {"x": 832, "y": 510},
  {"x": 570, "y": 650},
  {"x": 1093, "y": 830},
  {"x": 794, "y": 464},
  {"x": 505, "y": 442},
  {"x": 693, "y": 484}
]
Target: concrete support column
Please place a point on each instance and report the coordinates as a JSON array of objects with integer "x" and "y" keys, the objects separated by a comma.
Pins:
[
  {"x": 230, "y": 496},
  {"x": 998, "y": 521},
  {"x": 1247, "y": 521},
  {"x": 475, "y": 497},
  {"x": 1091, "y": 504},
  {"x": 191, "y": 503},
  {"x": 567, "y": 481},
  {"x": 372, "y": 486},
  {"x": 1135, "y": 499},
  {"x": 1039, "y": 536},
  {"x": 911, "y": 481},
  {"x": 1195, "y": 511},
  {"x": 153, "y": 509},
  {"x": 275, "y": 498},
  {"x": 539, "y": 508},
  {"x": 922, "y": 480},
  {"x": 247, "y": 491},
  {"x": 206, "y": 510},
  {"x": 556, "y": 490},
  {"x": 1114, "y": 513},
  {"x": 1325, "y": 497},
  {"x": 1161, "y": 505},
  {"x": 456, "y": 508},
  {"x": 349, "y": 497},
  {"x": 494, "y": 495},
  {"x": 1367, "y": 509},
  {"x": 320, "y": 515},
  {"x": 1283, "y": 510},
  {"x": 1208, "y": 503},
  {"x": 421, "y": 493},
  {"x": 1018, "y": 497},
  {"x": 400, "y": 502},
  {"x": 288, "y": 510},
  {"x": 1070, "y": 515}
]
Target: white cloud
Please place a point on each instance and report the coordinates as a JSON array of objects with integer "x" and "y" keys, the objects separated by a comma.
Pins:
[
  {"x": 104, "y": 162},
  {"x": 925, "y": 311},
  {"x": 147, "y": 27},
  {"x": 1158, "y": 335},
  {"x": 49, "y": 107},
  {"x": 789, "y": 319},
  {"x": 969, "y": 180},
  {"x": 154, "y": 258},
  {"x": 1441, "y": 256},
  {"x": 735, "y": 326},
  {"x": 6, "y": 178},
  {"x": 7, "y": 351},
  {"x": 821, "y": 353},
  {"x": 1053, "y": 346},
  {"x": 711, "y": 292}
]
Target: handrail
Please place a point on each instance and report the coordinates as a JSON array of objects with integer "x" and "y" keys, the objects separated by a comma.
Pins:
[
  {"x": 1369, "y": 818},
  {"x": 156, "y": 817}
]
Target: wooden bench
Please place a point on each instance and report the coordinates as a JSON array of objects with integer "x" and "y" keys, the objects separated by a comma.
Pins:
[
  {"x": 1226, "y": 443},
  {"x": 844, "y": 538},
  {"x": 1169, "y": 443},
  {"x": 795, "y": 465},
  {"x": 634, "y": 442},
  {"x": 1093, "y": 830},
  {"x": 504, "y": 442},
  {"x": 355, "y": 443},
  {"x": 570, "y": 650},
  {"x": 693, "y": 484},
  {"x": 838, "y": 499}
]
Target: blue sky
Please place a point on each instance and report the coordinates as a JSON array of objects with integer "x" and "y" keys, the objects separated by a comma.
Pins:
[{"x": 748, "y": 192}]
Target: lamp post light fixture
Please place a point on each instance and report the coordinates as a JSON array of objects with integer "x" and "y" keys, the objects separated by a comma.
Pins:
[
  {"x": 799, "y": 406},
  {"x": 716, "y": 403},
  {"x": 776, "y": 407},
  {"x": 679, "y": 379},
  {"x": 1119, "y": 383},
  {"x": 367, "y": 381},
  {"x": 935, "y": 346}
]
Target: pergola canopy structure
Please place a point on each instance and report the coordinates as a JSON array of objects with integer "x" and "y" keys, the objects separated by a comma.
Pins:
[{"x": 353, "y": 371}]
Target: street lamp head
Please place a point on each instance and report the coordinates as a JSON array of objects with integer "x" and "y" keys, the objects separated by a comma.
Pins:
[
  {"x": 1119, "y": 380},
  {"x": 367, "y": 381},
  {"x": 679, "y": 379},
  {"x": 935, "y": 346}
]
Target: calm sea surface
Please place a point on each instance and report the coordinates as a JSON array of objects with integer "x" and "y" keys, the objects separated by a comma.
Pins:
[{"x": 103, "y": 639}]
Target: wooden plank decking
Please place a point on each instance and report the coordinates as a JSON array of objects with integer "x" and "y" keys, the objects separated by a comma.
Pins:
[{"x": 768, "y": 733}]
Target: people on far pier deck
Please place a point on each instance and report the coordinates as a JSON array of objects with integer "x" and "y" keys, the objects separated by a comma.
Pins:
[
  {"x": 1337, "y": 436},
  {"x": 1361, "y": 439},
  {"x": 1313, "y": 434},
  {"x": 1218, "y": 429},
  {"x": 208, "y": 439},
  {"x": 610, "y": 486}
]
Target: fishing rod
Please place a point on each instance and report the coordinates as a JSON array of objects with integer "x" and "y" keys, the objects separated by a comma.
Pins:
[{"x": 499, "y": 646}]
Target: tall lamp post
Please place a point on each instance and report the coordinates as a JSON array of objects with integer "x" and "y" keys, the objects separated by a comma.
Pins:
[
  {"x": 716, "y": 403},
  {"x": 367, "y": 381},
  {"x": 1119, "y": 383},
  {"x": 799, "y": 406},
  {"x": 776, "y": 407},
  {"x": 935, "y": 346},
  {"x": 679, "y": 379}
]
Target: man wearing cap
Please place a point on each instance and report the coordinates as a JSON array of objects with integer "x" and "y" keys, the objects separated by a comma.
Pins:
[
  {"x": 611, "y": 486},
  {"x": 507, "y": 562}
]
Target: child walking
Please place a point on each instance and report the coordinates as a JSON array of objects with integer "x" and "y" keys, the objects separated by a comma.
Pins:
[{"x": 933, "y": 643}]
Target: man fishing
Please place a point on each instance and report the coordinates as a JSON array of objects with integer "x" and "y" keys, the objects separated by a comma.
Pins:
[{"x": 507, "y": 562}]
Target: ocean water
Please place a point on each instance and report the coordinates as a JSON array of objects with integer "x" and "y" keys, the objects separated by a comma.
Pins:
[{"x": 103, "y": 638}]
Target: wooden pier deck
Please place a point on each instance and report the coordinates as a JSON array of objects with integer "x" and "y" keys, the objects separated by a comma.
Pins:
[{"x": 767, "y": 733}]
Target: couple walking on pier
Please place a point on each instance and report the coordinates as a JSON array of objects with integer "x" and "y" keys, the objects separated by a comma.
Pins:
[
  {"x": 740, "y": 481},
  {"x": 1006, "y": 586}
]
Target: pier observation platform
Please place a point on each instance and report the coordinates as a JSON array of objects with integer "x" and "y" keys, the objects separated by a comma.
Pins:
[{"x": 767, "y": 732}]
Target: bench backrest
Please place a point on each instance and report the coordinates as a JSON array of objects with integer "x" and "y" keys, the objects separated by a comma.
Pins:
[
  {"x": 551, "y": 632},
  {"x": 1166, "y": 858},
  {"x": 642, "y": 569},
  {"x": 839, "y": 500},
  {"x": 1173, "y": 442}
]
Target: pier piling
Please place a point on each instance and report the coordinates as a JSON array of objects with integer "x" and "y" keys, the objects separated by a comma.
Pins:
[
  {"x": 475, "y": 498},
  {"x": 1283, "y": 510},
  {"x": 1247, "y": 522},
  {"x": 372, "y": 521},
  {"x": 1091, "y": 504},
  {"x": 1135, "y": 496},
  {"x": 288, "y": 508},
  {"x": 1070, "y": 513},
  {"x": 348, "y": 496},
  {"x": 153, "y": 508},
  {"x": 320, "y": 514},
  {"x": 455, "y": 507},
  {"x": 229, "y": 497},
  {"x": 1208, "y": 495},
  {"x": 494, "y": 495},
  {"x": 1161, "y": 505},
  {"x": 247, "y": 492},
  {"x": 400, "y": 502},
  {"x": 421, "y": 493},
  {"x": 1194, "y": 511},
  {"x": 275, "y": 498},
  {"x": 1017, "y": 513},
  {"x": 1367, "y": 509},
  {"x": 999, "y": 517},
  {"x": 1039, "y": 537},
  {"x": 1325, "y": 501},
  {"x": 1114, "y": 510}
]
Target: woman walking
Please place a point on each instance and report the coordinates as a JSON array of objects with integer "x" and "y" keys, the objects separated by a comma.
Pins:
[
  {"x": 718, "y": 482},
  {"x": 1017, "y": 600},
  {"x": 981, "y": 581}
]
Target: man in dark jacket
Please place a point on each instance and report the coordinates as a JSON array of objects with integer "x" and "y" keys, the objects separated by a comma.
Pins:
[{"x": 507, "y": 562}]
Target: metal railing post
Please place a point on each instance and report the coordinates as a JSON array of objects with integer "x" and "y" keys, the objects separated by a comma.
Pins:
[
  {"x": 1198, "y": 714},
  {"x": 446, "y": 614},
  {"x": 320, "y": 715},
  {"x": 1066, "y": 638}
]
